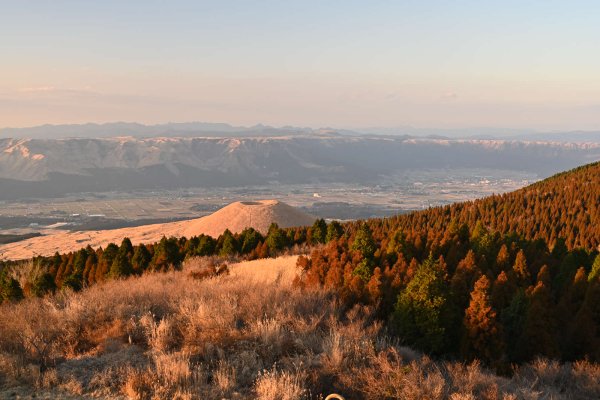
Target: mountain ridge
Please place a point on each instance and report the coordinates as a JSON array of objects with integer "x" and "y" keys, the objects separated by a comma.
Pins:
[{"x": 54, "y": 167}]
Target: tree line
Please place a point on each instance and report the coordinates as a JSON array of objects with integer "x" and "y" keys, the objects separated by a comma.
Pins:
[
  {"x": 88, "y": 266},
  {"x": 475, "y": 294}
]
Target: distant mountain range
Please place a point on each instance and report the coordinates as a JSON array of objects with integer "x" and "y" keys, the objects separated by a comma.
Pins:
[
  {"x": 187, "y": 129},
  {"x": 207, "y": 129},
  {"x": 489, "y": 134},
  {"x": 54, "y": 167}
]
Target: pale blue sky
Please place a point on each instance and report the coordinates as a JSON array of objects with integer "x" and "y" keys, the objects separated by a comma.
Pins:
[{"x": 520, "y": 64}]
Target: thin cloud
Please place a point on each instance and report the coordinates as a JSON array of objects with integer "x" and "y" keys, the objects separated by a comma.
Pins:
[
  {"x": 449, "y": 96},
  {"x": 37, "y": 89},
  {"x": 56, "y": 90}
]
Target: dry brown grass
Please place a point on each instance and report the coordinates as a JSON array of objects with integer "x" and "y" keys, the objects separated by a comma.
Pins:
[
  {"x": 280, "y": 385},
  {"x": 245, "y": 335},
  {"x": 235, "y": 217},
  {"x": 282, "y": 270}
]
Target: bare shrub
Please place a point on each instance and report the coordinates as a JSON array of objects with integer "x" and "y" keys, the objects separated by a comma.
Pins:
[
  {"x": 570, "y": 381},
  {"x": 48, "y": 379},
  {"x": 162, "y": 335},
  {"x": 138, "y": 385},
  {"x": 280, "y": 385},
  {"x": 224, "y": 378},
  {"x": 269, "y": 332},
  {"x": 334, "y": 351},
  {"x": 205, "y": 267},
  {"x": 31, "y": 329},
  {"x": 72, "y": 386},
  {"x": 25, "y": 272},
  {"x": 586, "y": 376},
  {"x": 13, "y": 368},
  {"x": 173, "y": 369}
]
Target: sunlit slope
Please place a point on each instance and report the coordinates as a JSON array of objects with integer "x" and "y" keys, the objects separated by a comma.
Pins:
[
  {"x": 566, "y": 205},
  {"x": 235, "y": 217}
]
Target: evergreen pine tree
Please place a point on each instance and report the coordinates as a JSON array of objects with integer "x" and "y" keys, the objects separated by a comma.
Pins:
[
  {"x": 421, "y": 313},
  {"x": 10, "y": 289},
  {"x": 319, "y": 231},
  {"x": 335, "y": 230},
  {"x": 43, "y": 284},
  {"x": 206, "y": 246},
  {"x": 121, "y": 266},
  {"x": 141, "y": 259},
  {"x": 539, "y": 330},
  {"x": 513, "y": 320},
  {"x": 166, "y": 254},
  {"x": 595, "y": 271},
  {"x": 250, "y": 238},
  {"x": 363, "y": 242},
  {"x": 275, "y": 239}
]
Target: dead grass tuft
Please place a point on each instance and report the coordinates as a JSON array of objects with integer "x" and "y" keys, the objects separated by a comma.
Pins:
[{"x": 280, "y": 385}]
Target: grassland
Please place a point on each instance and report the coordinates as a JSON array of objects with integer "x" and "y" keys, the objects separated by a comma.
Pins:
[{"x": 248, "y": 334}]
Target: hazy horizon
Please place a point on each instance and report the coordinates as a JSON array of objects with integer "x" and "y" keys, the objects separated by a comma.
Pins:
[
  {"x": 342, "y": 64},
  {"x": 200, "y": 128},
  {"x": 366, "y": 128}
]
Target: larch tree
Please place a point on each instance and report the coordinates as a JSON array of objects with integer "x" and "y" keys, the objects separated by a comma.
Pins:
[
  {"x": 482, "y": 336},
  {"x": 503, "y": 259},
  {"x": 539, "y": 331},
  {"x": 464, "y": 278},
  {"x": 520, "y": 268}
]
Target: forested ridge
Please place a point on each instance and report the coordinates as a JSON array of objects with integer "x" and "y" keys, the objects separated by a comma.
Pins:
[
  {"x": 565, "y": 206},
  {"x": 502, "y": 279}
]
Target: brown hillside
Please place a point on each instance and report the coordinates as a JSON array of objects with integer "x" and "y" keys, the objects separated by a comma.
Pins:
[
  {"x": 566, "y": 206},
  {"x": 243, "y": 214},
  {"x": 235, "y": 217}
]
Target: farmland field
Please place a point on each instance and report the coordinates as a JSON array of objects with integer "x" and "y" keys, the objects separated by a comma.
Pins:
[{"x": 404, "y": 192}]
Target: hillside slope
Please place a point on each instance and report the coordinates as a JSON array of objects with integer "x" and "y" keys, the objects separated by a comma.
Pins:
[
  {"x": 171, "y": 336},
  {"x": 235, "y": 217},
  {"x": 566, "y": 206},
  {"x": 243, "y": 214},
  {"x": 508, "y": 277}
]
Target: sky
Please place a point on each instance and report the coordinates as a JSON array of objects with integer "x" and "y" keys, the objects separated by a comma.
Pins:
[{"x": 351, "y": 64}]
